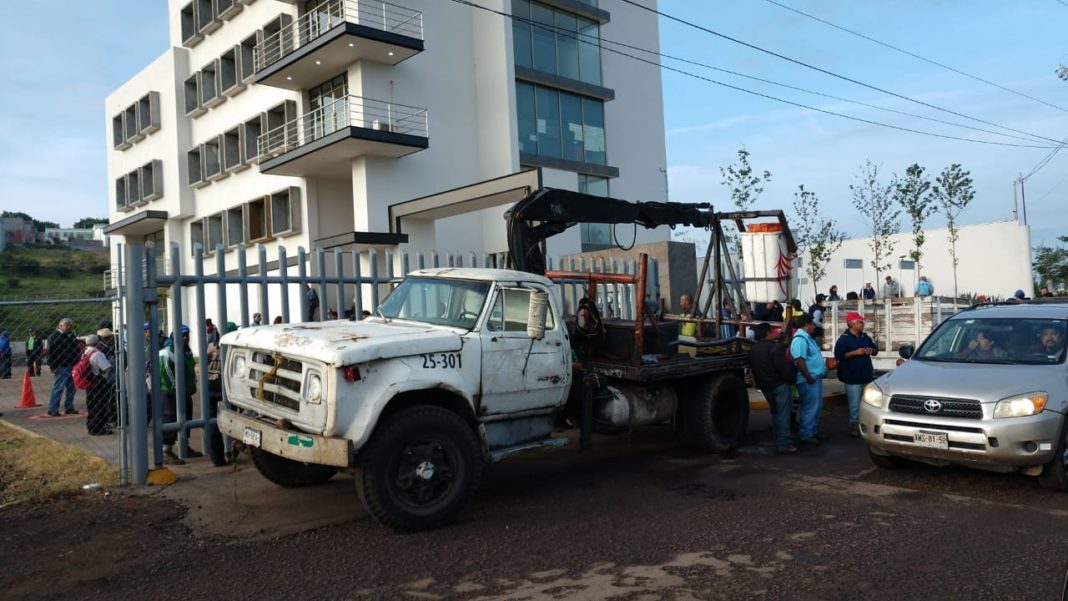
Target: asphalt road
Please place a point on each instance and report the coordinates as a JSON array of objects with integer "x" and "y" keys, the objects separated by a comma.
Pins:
[{"x": 638, "y": 518}]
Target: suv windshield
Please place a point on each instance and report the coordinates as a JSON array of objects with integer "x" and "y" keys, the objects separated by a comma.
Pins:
[
  {"x": 455, "y": 303},
  {"x": 996, "y": 340}
]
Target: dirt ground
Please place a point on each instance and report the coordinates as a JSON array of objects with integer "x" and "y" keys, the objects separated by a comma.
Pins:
[{"x": 636, "y": 519}]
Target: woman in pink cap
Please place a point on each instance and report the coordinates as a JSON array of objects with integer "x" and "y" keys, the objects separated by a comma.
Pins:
[{"x": 854, "y": 350}]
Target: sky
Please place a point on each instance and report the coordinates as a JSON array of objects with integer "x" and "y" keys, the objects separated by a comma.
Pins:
[{"x": 63, "y": 58}]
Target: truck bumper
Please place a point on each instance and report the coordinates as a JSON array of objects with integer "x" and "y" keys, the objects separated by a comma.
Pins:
[{"x": 288, "y": 443}]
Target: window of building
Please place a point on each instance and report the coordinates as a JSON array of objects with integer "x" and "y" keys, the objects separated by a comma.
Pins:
[
  {"x": 229, "y": 75},
  {"x": 196, "y": 235},
  {"x": 247, "y": 58},
  {"x": 130, "y": 121},
  {"x": 256, "y": 226},
  {"x": 232, "y": 148},
  {"x": 285, "y": 212},
  {"x": 214, "y": 232},
  {"x": 211, "y": 155},
  {"x": 196, "y": 173},
  {"x": 226, "y": 9},
  {"x": 555, "y": 41},
  {"x": 120, "y": 193},
  {"x": 193, "y": 108},
  {"x": 235, "y": 225},
  {"x": 190, "y": 27},
  {"x": 327, "y": 107},
  {"x": 594, "y": 236},
  {"x": 559, "y": 124},
  {"x": 206, "y": 16},
  {"x": 252, "y": 130},
  {"x": 152, "y": 180},
  {"x": 209, "y": 85}
]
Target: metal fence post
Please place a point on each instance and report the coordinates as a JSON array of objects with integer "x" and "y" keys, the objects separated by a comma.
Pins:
[
  {"x": 135, "y": 303},
  {"x": 202, "y": 346},
  {"x": 178, "y": 382}
]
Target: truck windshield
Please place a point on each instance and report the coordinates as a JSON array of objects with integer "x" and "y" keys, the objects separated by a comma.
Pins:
[
  {"x": 1002, "y": 340},
  {"x": 455, "y": 303}
]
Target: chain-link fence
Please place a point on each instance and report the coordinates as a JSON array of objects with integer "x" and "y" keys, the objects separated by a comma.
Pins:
[{"x": 36, "y": 341}]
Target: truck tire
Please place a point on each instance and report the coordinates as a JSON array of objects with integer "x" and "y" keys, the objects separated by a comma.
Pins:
[
  {"x": 1054, "y": 474},
  {"x": 713, "y": 413},
  {"x": 420, "y": 469},
  {"x": 289, "y": 473}
]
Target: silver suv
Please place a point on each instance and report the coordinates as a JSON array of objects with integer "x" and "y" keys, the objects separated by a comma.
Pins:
[{"x": 987, "y": 389}]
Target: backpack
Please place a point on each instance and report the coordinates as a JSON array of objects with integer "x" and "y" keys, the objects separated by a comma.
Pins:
[{"x": 82, "y": 374}]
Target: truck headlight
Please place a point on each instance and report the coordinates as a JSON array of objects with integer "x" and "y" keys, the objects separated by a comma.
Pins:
[
  {"x": 237, "y": 367},
  {"x": 873, "y": 396},
  {"x": 1022, "y": 405},
  {"x": 314, "y": 392}
]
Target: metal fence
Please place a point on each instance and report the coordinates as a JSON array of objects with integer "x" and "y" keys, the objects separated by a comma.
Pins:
[
  {"x": 323, "y": 284},
  {"x": 27, "y": 352}
]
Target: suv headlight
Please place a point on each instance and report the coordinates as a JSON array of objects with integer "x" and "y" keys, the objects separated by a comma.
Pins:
[
  {"x": 873, "y": 395},
  {"x": 1022, "y": 405},
  {"x": 314, "y": 393}
]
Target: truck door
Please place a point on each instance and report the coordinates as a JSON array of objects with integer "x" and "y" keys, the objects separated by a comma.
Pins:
[{"x": 518, "y": 373}]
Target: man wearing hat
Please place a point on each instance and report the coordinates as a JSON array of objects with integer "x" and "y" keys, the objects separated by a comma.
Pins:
[
  {"x": 100, "y": 397},
  {"x": 854, "y": 350},
  {"x": 168, "y": 384}
]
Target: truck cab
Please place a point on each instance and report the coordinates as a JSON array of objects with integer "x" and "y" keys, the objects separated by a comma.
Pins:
[{"x": 449, "y": 373}]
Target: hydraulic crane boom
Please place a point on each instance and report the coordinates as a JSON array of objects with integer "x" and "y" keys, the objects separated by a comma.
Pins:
[{"x": 549, "y": 211}]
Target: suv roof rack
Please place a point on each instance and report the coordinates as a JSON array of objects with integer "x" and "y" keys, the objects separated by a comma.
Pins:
[{"x": 1027, "y": 301}]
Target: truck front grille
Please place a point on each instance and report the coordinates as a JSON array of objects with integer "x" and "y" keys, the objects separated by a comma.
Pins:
[
  {"x": 280, "y": 379},
  {"x": 942, "y": 407}
]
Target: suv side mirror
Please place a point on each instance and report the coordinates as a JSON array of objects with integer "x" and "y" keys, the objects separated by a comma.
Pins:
[
  {"x": 536, "y": 312},
  {"x": 906, "y": 351}
]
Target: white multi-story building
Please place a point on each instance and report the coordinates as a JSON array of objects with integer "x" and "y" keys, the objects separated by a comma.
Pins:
[{"x": 361, "y": 123}]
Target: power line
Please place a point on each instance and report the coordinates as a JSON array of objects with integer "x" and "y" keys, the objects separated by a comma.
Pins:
[
  {"x": 917, "y": 56},
  {"x": 1046, "y": 159},
  {"x": 1061, "y": 2},
  {"x": 754, "y": 93},
  {"x": 783, "y": 85},
  {"x": 831, "y": 73}
]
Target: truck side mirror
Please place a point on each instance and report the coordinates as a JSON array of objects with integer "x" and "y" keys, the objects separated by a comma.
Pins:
[
  {"x": 536, "y": 311},
  {"x": 906, "y": 351}
]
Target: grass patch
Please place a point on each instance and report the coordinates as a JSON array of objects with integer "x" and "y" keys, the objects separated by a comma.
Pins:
[
  {"x": 52, "y": 272},
  {"x": 34, "y": 468}
]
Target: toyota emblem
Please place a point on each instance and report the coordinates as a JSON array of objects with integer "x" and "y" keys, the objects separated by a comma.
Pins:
[{"x": 932, "y": 406}]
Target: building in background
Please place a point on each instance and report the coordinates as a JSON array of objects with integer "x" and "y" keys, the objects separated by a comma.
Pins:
[
  {"x": 16, "y": 231},
  {"x": 342, "y": 124},
  {"x": 994, "y": 259}
]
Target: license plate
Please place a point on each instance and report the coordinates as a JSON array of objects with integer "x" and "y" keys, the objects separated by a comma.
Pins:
[
  {"x": 251, "y": 437},
  {"x": 936, "y": 440}
]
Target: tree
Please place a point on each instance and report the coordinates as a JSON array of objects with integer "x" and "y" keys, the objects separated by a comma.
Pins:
[
  {"x": 815, "y": 234},
  {"x": 913, "y": 193},
  {"x": 1051, "y": 265},
  {"x": 952, "y": 193},
  {"x": 873, "y": 200},
  {"x": 88, "y": 223},
  {"x": 745, "y": 187}
]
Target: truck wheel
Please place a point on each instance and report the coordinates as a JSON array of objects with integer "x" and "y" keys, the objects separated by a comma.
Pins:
[
  {"x": 289, "y": 473},
  {"x": 1054, "y": 474},
  {"x": 886, "y": 462},
  {"x": 420, "y": 469},
  {"x": 714, "y": 413}
]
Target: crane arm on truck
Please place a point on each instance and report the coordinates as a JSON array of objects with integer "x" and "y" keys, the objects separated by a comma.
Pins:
[{"x": 550, "y": 211}]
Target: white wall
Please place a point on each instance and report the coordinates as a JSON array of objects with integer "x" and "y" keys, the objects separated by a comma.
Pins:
[{"x": 994, "y": 259}]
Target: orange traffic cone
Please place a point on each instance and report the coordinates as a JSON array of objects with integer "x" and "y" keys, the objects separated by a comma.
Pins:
[{"x": 28, "y": 399}]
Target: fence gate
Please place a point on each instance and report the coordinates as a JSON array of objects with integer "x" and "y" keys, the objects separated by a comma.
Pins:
[{"x": 158, "y": 302}]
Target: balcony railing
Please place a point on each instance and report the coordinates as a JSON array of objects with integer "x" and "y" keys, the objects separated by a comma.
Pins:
[
  {"x": 350, "y": 111},
  {"x": 309, "y": 27}
]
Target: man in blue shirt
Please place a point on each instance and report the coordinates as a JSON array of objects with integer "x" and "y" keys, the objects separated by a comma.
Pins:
[
  {"x": 924, "y": 287},
  {"x": 811, "y": 368},
  {"x": 854, "y": 351}
]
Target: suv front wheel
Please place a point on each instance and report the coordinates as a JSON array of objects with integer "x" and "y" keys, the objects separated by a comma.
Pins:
[{"x": 1054, "y": 474}]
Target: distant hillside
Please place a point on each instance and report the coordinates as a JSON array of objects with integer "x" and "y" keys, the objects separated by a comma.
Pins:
[{"x": 45, "y": 272}]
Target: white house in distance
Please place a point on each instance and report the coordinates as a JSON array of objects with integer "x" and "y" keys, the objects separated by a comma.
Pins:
[
  {"x": 993, "y": 259},
  {"x": 410, "y": 125}
]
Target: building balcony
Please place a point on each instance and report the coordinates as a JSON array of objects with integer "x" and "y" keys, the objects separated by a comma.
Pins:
[
  {"x": 324, "y": 142},
  {"x": 325, "y": 41}
]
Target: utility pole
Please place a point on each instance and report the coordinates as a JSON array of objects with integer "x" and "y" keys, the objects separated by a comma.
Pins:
[
  {"x": 1015, "y": 203},
  {"x": 1023, "y": 200}
]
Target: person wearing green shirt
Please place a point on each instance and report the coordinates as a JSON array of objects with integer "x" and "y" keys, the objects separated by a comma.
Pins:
[{"x": 168, "y": 385}]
